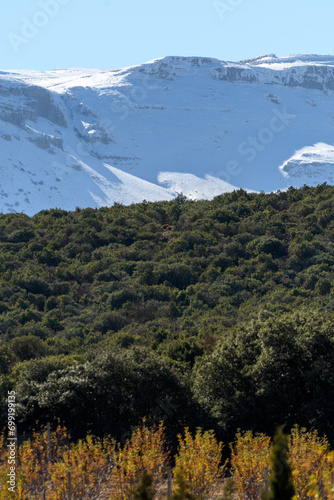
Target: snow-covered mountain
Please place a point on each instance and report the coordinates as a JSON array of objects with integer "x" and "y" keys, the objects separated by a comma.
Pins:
[{"x": 194, "y": 125}]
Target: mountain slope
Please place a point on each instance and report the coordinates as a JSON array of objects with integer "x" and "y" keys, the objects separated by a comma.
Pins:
[{"x": 81, "y": 137}]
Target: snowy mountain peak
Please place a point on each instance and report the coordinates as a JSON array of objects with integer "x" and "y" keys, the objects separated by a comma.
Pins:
[{"x": 81, "y": 137}]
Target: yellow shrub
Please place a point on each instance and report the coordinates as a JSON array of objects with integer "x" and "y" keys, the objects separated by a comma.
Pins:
[
  {"x": 312, "y": 465},
  {"x": 143, "y": 452},
  {"x": 250, "y": 455},
  {"x": 198, "y": 460}
]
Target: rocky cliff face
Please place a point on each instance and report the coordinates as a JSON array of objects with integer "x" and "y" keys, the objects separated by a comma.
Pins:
[
  {"x": 31, "y": 102},
  {"x": 311, "y": 77},
  {"x": 179, "y": 124}
]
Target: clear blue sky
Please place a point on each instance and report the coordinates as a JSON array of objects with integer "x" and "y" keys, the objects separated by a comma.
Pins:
[{"x": 48, "y": 34}]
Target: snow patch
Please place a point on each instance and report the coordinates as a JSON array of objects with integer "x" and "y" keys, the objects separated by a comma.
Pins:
[
  {"x": 193, "y": 187},
  {"x": 311, "y": 164}
]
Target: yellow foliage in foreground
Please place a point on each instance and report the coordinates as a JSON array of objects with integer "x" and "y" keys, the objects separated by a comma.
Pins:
[{"x": 98, "y": 469}]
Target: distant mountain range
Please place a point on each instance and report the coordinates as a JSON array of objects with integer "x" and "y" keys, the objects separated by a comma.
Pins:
[{"x": 195, "y": 125}]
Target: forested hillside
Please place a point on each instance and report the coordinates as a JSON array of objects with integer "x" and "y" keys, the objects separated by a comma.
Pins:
[{"x": 216, "y": 314}]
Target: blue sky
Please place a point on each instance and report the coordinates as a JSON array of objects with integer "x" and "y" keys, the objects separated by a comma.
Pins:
[{"x": 48, "y": 34}]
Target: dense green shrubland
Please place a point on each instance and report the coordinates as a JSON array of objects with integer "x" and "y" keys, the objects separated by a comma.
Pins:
[{"x": 224, "y": 308}]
